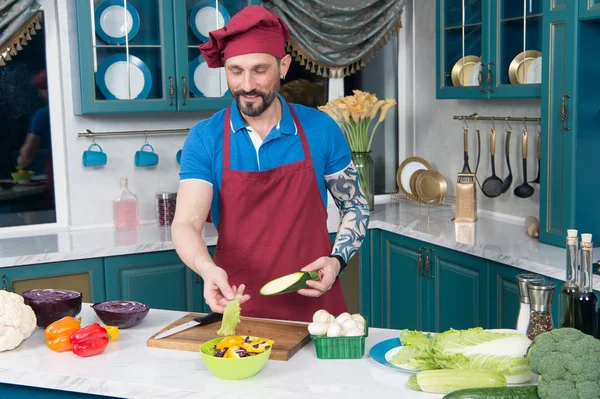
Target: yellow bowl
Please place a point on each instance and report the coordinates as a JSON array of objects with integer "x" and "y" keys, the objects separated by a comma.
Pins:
[
  {"x": 23, "y": 175},
  {"x": 233, "y": 369}
]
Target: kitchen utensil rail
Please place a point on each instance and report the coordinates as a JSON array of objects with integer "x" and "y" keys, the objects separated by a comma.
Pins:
[
  {"x": 88, "y": 133},
  {"x": 475, "y": 117}
]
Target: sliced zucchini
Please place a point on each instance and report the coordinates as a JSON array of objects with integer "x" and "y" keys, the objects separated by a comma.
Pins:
[{"x": 289, "y": 283}]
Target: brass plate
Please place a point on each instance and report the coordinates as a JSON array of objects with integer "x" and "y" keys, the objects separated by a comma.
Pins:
[
  {"x": 405, "y": 171},
  {"x": 431, "y": 185},
  {"x": 517, "y": 71},
  {"x": 461, "y": 71},
  {"x": 413, "y": 180}
]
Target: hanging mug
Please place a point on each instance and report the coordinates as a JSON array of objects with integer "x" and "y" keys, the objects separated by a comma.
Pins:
[
  {"x": 146, "y": 158},
  {"x": 92, "y": 158},
  {"x": 178, "y": 157}
]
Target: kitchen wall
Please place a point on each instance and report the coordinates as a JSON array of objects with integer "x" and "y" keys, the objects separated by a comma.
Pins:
[{"x": 428, "y": 130}]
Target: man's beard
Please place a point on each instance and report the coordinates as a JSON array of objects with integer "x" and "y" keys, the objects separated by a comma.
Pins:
[{"x": 251, "y": 109}]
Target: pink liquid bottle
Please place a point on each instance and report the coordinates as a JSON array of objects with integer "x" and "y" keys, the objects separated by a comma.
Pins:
[{"x": 126, "y": 208}]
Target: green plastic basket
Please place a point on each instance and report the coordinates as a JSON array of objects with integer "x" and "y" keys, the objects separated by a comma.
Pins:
[{"x": 341, "y": 347}]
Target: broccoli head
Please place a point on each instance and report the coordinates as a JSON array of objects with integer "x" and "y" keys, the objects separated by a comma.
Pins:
[{"x": 568, "y": 363}]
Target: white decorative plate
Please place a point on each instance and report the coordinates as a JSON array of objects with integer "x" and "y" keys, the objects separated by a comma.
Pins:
[
  {"x": 205, "y": 81},
  {"x": 112, "y": 20},
  {"x": 117, "y": 82},
  {"x": 534, "y": 73},
  {"x": 204, "y": 18}
]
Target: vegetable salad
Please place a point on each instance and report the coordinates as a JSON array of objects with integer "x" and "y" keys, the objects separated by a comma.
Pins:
[{"x": 233, "y": 347}]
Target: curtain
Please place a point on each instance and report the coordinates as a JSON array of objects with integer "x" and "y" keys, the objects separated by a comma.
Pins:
[
  {"x": 19, "y": 20},
  {"x": 336, "y": 38}
]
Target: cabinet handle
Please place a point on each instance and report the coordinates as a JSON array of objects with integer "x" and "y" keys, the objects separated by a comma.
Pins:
[
  {"x": 171, "y": 90},
  {"x": 428, "y": 265},
  {"x": 420, "y": 261},
  {"x": 489, "y": 77},
  {"x": 480, "y": 79},
  {"x": 563, "y": 111},
  {"x": 4, "y": 283},
  {"x": 184, "y": 90}
]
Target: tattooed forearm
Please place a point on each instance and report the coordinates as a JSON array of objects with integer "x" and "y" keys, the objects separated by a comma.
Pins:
[{"x": 354, "y": 209}]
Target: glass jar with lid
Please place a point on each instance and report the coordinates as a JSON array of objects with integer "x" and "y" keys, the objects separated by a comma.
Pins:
[{"x": 165, "y": 208}]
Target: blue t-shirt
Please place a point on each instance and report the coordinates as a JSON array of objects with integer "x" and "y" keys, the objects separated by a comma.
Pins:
[
  {"x": 202, "y": 153},
  {"x": 39, "y": 125}
]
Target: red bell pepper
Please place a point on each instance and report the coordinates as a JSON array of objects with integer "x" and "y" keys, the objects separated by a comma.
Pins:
[{"x": 90, "y": 340}]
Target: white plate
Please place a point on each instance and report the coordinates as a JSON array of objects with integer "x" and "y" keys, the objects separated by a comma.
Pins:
[
  {"x": 474, "y": 80},
  {"x": 117, "y": 82},
  {"x": 112, "y": 20},
  {"x": 205, "y": 18},
  {"x": 534, "y": 73},
  {"x": 407, "y": 172},
  {"x": 207, "y": 82}
]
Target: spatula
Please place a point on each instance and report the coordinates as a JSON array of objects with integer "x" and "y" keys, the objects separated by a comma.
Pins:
[
  {"x": 492, "y": 186},
  {"x": 539, "y": 150},
  {"x": 466, "y": 168}
]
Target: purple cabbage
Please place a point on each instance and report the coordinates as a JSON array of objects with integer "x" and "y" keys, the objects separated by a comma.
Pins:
[
  {"x": 50, "y": 305},
  {"x": 123, "y": 314}
]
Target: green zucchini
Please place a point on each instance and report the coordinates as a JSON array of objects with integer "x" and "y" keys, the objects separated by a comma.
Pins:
[
  {"x": 509, "y": 392},
  {"x": 288, "y": 283}
]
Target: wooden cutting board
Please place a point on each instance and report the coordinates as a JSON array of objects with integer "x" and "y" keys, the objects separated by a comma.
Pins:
[{"x": 289, "y": 337}]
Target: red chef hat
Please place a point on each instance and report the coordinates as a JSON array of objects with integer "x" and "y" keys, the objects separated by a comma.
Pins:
[{"x": 253, "y": 30}]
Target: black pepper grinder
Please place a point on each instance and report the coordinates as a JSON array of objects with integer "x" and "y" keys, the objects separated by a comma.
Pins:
[{"x": 541, "y": 294}]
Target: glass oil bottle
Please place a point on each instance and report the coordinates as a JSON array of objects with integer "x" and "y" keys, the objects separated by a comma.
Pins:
[
  {"x": 586, "y": 302},
  {"x": 571, "y": 286},
  {"x": 126, "y": 208}
]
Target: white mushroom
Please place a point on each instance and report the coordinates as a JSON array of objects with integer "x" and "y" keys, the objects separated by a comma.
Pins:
[
  {"x": 334, "y": 330},
  {"x": 358, "y": 318},
  {"x": 355, "y": 332},
  {"x": 317, "y": 328},
  {"x": 342, "y": 318},
  {"x": 349, "y": 325},
  {"x": 323, "y": 316}
]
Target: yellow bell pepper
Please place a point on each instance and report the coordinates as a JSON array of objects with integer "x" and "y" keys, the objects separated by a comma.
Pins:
[
  {"x": 230, "y": 341},
  {"x": 231, "y": 352},
  {"x": 113, "y": 333}
]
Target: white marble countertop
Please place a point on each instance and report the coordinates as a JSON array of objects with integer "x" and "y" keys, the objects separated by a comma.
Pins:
[
  {"x": 495, "y": 239},
  {"x": 129, "y": 368}
]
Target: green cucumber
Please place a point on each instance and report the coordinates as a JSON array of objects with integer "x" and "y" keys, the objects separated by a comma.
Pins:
[
  {"x": 289, "y": 283},
  {"x": 509, "y": 392}
]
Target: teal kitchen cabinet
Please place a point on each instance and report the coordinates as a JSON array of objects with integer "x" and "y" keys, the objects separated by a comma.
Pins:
[
  {"x": 431, "y": 288},
  {"x": 483, "y": 45},
  {"x": 504, "y": 293},
  {"x": 460, "y": 292},
  {"x": 85, "y": 276},
  {"x": 589, "y": 9},
  {"x": 157, "y": 66},
  {"x": 159, "y": 279},
  {"x": 570, "y": 122},
  {"x": 559, "y": 100},
  {"x": 405, "y": 291}
]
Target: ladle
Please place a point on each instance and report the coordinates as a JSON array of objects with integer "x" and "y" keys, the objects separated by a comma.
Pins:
[{"x": 524, "y": 190}]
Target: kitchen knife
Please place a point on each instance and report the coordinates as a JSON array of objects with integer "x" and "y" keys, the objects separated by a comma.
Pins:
[{"x": 198, "y": 321}]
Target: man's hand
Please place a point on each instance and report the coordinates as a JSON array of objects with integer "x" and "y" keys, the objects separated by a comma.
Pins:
[
  {"x": 328, "y": 269},
  {"x": 218, "y": 292}
]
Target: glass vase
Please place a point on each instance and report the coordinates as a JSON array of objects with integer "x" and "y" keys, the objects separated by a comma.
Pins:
[{"x": 364, "y": 165}]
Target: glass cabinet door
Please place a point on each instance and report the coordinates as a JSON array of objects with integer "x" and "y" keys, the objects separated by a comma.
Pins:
[
  {"x": 462, "y": 46},
  {"x": 124, "y": 49},
  {"x": 518, "y": 59},
  {"x": 201, "y": 87}
]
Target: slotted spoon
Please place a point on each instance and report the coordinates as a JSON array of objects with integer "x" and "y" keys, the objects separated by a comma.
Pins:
[{"x": 492, "y": 186}]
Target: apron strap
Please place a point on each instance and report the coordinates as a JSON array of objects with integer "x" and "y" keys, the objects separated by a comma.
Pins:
[{"x": 227, "y": 137}]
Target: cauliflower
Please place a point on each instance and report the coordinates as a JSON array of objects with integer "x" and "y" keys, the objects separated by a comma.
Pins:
[
  {"x": 17, "y": 320},
  {"x": 568, "y": 363}
]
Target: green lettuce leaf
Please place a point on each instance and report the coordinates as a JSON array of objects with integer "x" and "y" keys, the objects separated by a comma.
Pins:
[
  {"x": 231, "y": 317},
  {"x": 480, "y": 349},
  {"x": 413, "y": 358},
  {"x": 414, "y": 338}
]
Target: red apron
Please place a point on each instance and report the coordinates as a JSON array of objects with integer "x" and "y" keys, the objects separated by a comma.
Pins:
[{"x": 273, "y": 223}]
